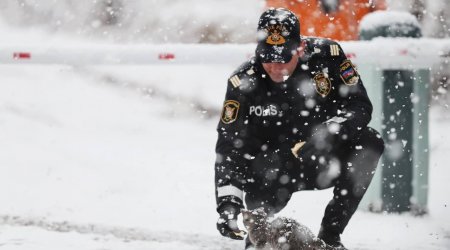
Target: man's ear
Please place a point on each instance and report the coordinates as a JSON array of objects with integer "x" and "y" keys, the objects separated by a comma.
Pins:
[{"x": 301, "y": 48}]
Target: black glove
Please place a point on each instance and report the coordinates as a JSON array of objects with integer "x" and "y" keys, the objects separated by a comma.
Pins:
[{"x": 227, "y": 223}]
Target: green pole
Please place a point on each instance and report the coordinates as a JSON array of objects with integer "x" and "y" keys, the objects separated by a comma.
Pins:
[
  {"x": 398, "y": 135},
  {"x": 421, "y": 100},
  {"x": 401, "y": 184}
]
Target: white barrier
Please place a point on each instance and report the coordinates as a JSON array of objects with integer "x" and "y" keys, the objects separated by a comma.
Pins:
[
  {"x": 383, "y": 52},
  {"x": 125, "y": 54}
]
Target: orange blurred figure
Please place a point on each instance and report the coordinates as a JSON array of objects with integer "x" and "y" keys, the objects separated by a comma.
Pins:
[{"x": 335, "y": 19}]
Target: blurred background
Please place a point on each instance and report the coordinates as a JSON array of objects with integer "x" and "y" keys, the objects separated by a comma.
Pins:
[{"x": 192, "y": 21}]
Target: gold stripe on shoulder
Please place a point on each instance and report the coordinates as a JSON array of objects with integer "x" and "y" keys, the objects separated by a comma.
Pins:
[
  {"x": 334, "y": 50},
  {"x": 235, "y": 81}
]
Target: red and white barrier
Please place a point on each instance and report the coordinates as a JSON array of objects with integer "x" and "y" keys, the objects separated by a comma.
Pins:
[{"x": 383, "y": 53}]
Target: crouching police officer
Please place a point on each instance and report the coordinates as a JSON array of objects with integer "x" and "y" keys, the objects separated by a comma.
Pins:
[{"x": 294, "y": 118}]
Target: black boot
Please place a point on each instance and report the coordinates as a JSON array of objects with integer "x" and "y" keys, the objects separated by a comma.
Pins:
[{"x": 331, "y": 238}]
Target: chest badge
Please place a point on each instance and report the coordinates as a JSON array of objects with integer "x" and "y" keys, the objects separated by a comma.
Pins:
[
  {"x": 230, "y": 111},
  {"x": 323, "y": 84}
]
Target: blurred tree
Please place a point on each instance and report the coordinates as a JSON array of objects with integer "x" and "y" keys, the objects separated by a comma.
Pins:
[
  {"x": 109, "y": 11},
  {"x": 418, "y": 9},
  {"x": 443, "y": 25}
]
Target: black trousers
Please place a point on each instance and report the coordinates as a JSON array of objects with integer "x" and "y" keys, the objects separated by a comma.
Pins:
[{"x": 276, "y": 175}]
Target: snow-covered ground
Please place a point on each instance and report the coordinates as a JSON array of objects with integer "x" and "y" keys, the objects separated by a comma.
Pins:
[{"x": 121, "y": 157}]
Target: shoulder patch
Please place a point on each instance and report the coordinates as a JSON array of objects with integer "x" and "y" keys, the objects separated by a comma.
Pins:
[
  {"x": 348, "y": 73},
  {"x": 323, "y": 84},
  {"x": 230, "y": 111},
  {"x": 235, "y": 81},
  {"x": 334, "y": 50}
]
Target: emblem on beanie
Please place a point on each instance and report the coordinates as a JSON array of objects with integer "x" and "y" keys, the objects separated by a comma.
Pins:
[
  {"x": 323, "y": 84},
  {"x": 276, "y": 34}
]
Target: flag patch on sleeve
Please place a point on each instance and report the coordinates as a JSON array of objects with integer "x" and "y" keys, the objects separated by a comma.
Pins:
[{"x": 348, "y": 73}]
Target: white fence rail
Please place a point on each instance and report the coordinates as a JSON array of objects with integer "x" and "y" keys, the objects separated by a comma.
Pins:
[{"x": 383, "y": 52}]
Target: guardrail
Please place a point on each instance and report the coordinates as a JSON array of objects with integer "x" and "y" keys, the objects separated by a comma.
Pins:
[{"x": 382, "y": 52}]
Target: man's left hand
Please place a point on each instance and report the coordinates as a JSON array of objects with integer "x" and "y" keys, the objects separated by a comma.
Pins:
[{"x": 319, "y": 146}]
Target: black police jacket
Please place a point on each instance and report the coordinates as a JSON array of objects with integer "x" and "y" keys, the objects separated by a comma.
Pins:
[{"x": 260, "y": 114}]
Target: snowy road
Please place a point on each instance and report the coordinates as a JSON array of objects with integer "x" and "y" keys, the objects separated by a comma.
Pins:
[
  {"x": 121, "y": 158},
  {"x": 39, "y": 233}
]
